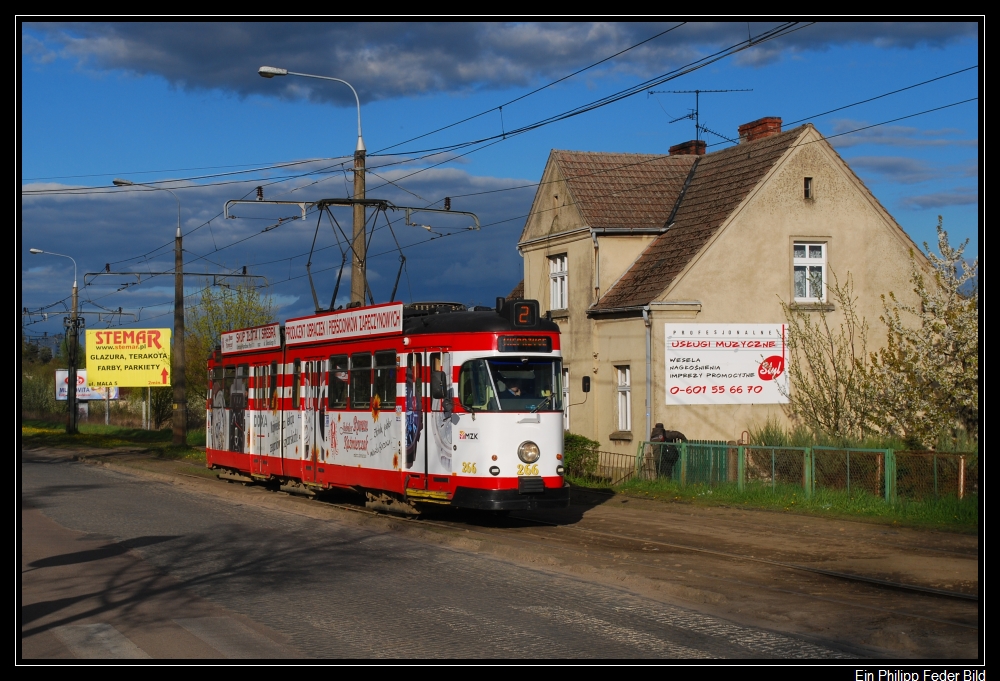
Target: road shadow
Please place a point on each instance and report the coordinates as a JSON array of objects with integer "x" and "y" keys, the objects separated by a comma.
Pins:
[{"x": 89, "y": 555}]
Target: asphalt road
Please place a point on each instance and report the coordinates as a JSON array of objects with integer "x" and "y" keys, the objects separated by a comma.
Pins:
[{"x": 119, "y": 566}]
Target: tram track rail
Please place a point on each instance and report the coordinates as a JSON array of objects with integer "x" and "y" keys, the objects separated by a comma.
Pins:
[
  {"x": 790, "y": 566},
  {"x": 550, "y": 545},
  {"x": 544, "y": 542}
]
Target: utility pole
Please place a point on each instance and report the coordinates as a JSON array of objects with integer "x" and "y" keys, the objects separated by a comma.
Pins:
[
  {"x": 72, "y": 346},
  {"x": 177, "y": 380},
  {"x": 72, "y": 350},
  {"x": 358, "y": 271}
]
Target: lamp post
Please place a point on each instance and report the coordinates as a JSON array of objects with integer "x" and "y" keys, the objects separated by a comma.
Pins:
[
  {"x": 358, "y": 273},
  {"x": 72, "y": 347},
  {"x": 179, "y": 382}
]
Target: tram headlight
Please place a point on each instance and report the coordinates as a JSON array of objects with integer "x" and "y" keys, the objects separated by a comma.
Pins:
[
  {"x": 528, "y": 452},
  {"x": 560, "y": 470}
]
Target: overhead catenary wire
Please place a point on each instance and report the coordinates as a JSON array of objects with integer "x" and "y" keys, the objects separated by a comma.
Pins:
[
  {"x": 530, "y": 213},
  {"x": 779, "y": 31},
  {"x": 395, "y": 182}
]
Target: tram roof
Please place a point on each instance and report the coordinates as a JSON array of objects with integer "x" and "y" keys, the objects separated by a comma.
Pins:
[{"x": 467, "y": 321}]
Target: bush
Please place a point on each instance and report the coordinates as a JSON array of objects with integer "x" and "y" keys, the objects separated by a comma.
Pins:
[
  {"x": 770, "y": 433},
  {"x": 580, "y": 455},
  {"x": 38, "y": 393}
]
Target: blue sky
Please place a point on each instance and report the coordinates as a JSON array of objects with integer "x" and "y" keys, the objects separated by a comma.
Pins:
[{"x": 181, "y": 102}]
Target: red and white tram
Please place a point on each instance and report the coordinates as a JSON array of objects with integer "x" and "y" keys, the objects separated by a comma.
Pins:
[{"x": 427, "y": 403}]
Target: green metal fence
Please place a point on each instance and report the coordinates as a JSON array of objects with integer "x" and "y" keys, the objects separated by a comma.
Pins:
[{"x": 893, "y": 475}]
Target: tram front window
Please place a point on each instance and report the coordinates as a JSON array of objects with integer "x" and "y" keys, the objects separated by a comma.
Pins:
[{"x": 511, "y": 384}]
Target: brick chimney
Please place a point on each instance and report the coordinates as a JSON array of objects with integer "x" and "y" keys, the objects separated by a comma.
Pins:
[
  {"x": 690, "y": 148},
  {"x": 759, "y": 129}
]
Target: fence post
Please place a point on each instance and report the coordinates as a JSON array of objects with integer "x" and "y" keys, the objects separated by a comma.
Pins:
[
  {"x": 807, "y": 472},
  {"x": 890, "y": 476},
  {"x": 772, "y": 470},
  {"x": 848, "y": 474},
  {"x": 741, "y": 468},
  {"x": 684, "y": 463},
  {"x": 961, "y": 477}
]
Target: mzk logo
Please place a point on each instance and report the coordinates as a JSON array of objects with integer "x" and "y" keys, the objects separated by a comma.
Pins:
[{"x": 462, "y": 435}]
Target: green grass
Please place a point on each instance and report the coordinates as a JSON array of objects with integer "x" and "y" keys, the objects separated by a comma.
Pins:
[
  {"x": 51, "y": 434},
  {"x": 946, "y": 513}
]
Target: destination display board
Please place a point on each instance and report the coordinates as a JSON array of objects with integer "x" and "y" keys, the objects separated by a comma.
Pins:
[
  {"x": 128, "y": 358},
  {"x": 524, "y": 343},
  {"x": 362, "y": 322},
  {"x": 266, "y": 337},
  {"x": 726, "y": 363}
]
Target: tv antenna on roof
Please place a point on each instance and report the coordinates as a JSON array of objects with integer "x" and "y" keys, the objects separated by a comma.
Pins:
[{"x": 695, "y": 111}]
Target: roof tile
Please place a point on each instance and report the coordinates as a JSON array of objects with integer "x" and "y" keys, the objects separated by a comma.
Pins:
[
  {"x": 720, "y": 182},
  {"x": 624, "y": 190}
]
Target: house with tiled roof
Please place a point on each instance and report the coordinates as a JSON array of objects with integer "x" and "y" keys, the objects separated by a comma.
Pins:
[{"x": 651, "y": 264}]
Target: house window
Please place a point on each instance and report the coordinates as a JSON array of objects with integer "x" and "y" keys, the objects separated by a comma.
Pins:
[
  {"x": 558, "y": 272},
  {"x": 809, "y": 272},
  {"x": 807, "y": 188},
  {"x": 624, "y": 389}
]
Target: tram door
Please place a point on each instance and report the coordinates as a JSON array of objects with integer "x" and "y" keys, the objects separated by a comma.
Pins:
[
  {"x": 439, "y": 418},
  {"x": 256, "y": 429},
  {"x": 263, "y": 379},
  {"x": 311, "y": 430}
]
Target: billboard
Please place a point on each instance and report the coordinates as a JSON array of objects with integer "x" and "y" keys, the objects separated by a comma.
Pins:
[
  {"x": 83, "y": 390},
  {"x": 128, "y": 358},
  {"x": 726, "y": 363}
]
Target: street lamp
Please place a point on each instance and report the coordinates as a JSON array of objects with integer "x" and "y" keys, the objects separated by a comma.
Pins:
[
  {"x": 179, "y": 381},
  {"x": 72, "y": 347},
  {"x": 358, "y": 276}
]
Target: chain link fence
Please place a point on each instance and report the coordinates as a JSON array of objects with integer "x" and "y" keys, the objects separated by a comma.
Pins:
[{"x": 883, "y": 473}]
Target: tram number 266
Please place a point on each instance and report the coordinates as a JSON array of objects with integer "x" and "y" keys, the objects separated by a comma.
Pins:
[
  {"x": 468, "y": 467},
  {"x": 527, "y": 469}
]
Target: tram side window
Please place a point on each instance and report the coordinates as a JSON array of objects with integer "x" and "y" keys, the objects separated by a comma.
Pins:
[
  {"x": 217, "y": 386},
  {"x": 296, "y": 382},
  {"x": 385, "y": 378},
  {"x": 361, "y": 380},
  {"x": 227, "y": 391},
  {"x": 272, "y": 386},
  {"x": 339, "y": 379},
  {"x": 475, "y": 389},
  {"x": 240, "y": 390}
]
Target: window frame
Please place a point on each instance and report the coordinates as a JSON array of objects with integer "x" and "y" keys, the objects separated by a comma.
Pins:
[
  {"x": 360, "y": 400},
  {"x": 559, "y": 281},
  {"x": 337, "y": 388},
  {"x": 809, "y": 262},
  {"x": 384, "y": 366},
  {"x": 623, "y": 392}
]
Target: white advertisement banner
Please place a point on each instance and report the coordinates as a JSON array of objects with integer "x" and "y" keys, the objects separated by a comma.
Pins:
[
  {"x": 362, "y": 322},
  {"x": 256, "y": 338},
  {"x": 83, "y": 391},
  {"x": 726, "y": 363}
]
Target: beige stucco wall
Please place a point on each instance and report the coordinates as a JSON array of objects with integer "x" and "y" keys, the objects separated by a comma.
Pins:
[
  {"x": 742, "y": 275},
  {"x": 746, "y": 272}
]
